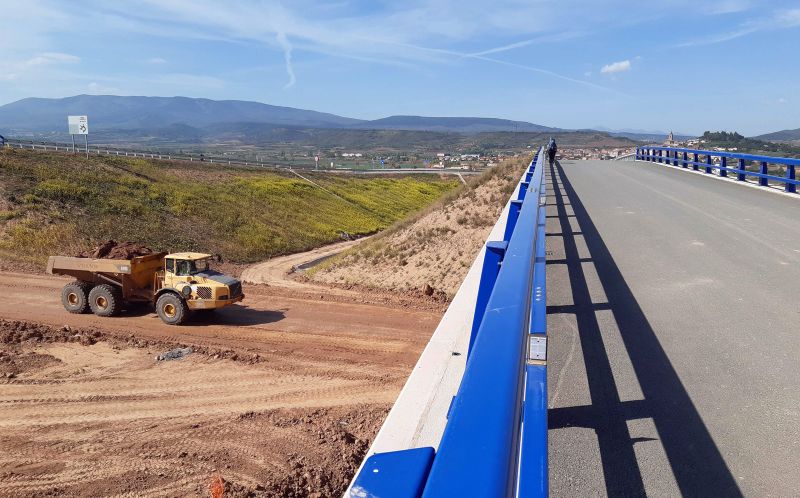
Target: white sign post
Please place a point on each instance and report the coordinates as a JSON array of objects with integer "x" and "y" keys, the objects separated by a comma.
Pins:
[{"x": 79, "y": 125}]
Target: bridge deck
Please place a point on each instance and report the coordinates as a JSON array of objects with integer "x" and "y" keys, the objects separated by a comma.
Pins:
[{"x": 673, "y": 310}]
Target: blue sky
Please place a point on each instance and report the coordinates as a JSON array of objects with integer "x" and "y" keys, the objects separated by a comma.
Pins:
[{"x": 672, "y": 64}]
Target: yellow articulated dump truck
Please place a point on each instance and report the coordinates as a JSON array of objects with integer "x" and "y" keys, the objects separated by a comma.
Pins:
[{"x": 175, "y": 283}]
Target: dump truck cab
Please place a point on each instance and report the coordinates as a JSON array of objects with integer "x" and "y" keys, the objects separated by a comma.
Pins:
[
  {"x": 191, "y": 277},
  {"x": 191, "y": 274}
]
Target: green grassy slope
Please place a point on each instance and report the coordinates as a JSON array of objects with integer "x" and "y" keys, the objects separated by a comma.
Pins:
[{"x": 59, "y": 204}]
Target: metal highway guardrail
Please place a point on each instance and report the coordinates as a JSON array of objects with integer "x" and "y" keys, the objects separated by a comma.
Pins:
[
  {"x": 494, "y": 442},
  {"x": 219, "y": 160},
  {"x": 716, "y": 160},
  {"x": 626, "y": 157}
]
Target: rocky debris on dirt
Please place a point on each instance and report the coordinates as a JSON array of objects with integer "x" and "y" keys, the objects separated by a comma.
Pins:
[
  {"x": 13, "y": 363},
  {"x": 342, "y": 435},
  {"x": 175, "y": 354},
  {"x": 7, "y": 266},
  {"x": 16, "y": 332},
  {"x": 112, "y": 249},
  {"x": 19, "y": 332}
]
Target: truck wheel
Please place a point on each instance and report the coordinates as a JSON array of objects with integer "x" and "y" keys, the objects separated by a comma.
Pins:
[
  {"x": 172, "y": 309},
  {"x": 75, "y": 296},
  {"x": 105, "y": 300}
]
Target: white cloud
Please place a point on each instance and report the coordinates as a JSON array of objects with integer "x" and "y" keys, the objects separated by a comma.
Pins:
[
  {"x": 616, "y": 67},
  {"x": 46, "y": 58},
  {"x": 287, "y": 57},
  {"x": 782, "y": 19},
  {"x": 729, "y": 6},
  {"x": 156, "y": 60}
]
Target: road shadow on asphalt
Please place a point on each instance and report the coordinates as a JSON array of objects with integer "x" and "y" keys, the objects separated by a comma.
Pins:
[{"x": 695, "y": 460}]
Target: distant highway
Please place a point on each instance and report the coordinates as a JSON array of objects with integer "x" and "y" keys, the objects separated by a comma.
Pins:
[{"x": 224, "y": 160}]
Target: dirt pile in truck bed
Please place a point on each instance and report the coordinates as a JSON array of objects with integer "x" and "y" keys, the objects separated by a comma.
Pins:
[{"x": 112, "y": 249}]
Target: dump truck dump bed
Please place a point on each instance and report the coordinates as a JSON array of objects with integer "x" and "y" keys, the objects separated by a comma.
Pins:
[{"x": 137, "y": 271}]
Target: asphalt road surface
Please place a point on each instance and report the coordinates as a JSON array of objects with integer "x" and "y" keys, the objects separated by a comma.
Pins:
[{"x": 674, "y": 319}]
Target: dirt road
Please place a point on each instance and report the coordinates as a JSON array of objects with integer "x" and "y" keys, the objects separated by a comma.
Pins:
[
  {"x": 275, "y": 272},
  {"x": 281, "y": 398}
]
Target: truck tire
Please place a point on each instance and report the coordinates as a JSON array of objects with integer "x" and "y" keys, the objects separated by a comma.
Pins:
[
  {"x": 105, "y": 300},
  {"x": 75, "y": 296},
  {"x": 172, "y": 309}
]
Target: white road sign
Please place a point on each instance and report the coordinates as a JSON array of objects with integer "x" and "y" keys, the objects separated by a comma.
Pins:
[{"x": 78, "y": 125}]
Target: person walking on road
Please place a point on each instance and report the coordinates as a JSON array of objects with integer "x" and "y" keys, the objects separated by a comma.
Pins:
[{"x": 552, "y": 148}]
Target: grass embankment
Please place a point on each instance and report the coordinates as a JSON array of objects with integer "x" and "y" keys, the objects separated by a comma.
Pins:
[
  {"x": 59, "y": 204},
  {"x": 433, "y": 249}
]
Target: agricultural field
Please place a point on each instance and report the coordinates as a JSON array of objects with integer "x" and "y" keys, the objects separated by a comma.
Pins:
[{"x": 61, "y": 204}]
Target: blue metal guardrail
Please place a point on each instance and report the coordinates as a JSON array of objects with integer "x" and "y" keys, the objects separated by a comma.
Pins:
[
  {"x": 495, "y": 440},
  {"x": 670, "y": 155}
]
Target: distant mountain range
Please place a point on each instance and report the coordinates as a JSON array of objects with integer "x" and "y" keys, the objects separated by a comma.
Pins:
[
  {"x": 643, "y": 135},
  {"x": 110, "y": 112},
  {"x": 781, "y": 136},
  {"x": 457, "y": 125}
]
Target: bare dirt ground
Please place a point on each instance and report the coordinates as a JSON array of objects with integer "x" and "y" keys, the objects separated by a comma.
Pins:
[{"x": 280, "y": 398}]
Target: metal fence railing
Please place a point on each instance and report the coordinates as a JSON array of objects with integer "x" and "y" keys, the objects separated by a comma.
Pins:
[
  {"x": 721, "y": 161},
  {"x": 495, "y": 439},
  {"x": 626, "y": 157},
  {"x": 95, "y": 150}
]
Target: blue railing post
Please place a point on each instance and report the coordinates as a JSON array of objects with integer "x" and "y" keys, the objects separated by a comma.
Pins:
[
  {"x": 492, "y": 260},
  {"x": 763, "y": 180},
  {"x": 513, "y": 215},
  {"x": 735, "y": 162},
  {"x": 522, "y": 189}
]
